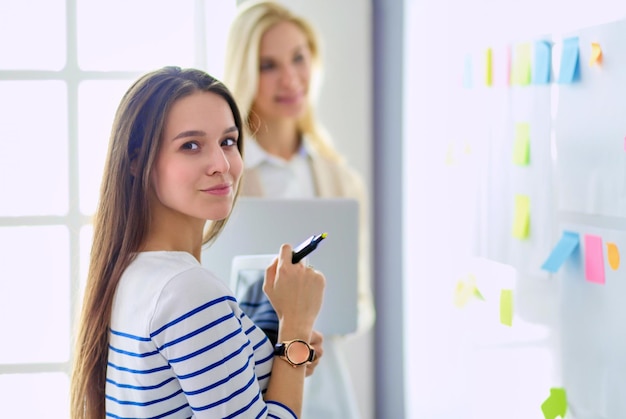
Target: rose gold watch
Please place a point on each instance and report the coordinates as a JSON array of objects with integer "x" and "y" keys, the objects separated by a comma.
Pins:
[{"x": 296, "y": 352}]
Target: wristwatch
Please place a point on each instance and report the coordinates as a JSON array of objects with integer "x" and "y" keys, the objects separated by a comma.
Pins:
[{"x": 296, "y": 352}]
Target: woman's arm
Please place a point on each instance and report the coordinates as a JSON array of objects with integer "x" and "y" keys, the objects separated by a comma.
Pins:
[{"x": 295, "y": 292}]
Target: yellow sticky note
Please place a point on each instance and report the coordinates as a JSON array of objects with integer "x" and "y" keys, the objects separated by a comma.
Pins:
[
  {"x": 596, "y": 54},
  {"x": 465, "y": 290},
  {"x": 488, "y": 67},
  {"x": 613, "y": 254},
  {"x": 450, "y": 155},
  {"x": 506, "y": 307},
  {"x": 462, "y": 294},
  {"x": 521, "y": 220},
  {"x": 521, "y": 64},
  {"x": 521, "y": 145}
]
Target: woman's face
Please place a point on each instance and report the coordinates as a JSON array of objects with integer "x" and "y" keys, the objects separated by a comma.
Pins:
[
  {"x": 198, "y": 167},
  {"x": 284, "y": 73}
]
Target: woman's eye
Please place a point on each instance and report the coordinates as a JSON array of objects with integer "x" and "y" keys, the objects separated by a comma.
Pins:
[
  {"x": 267, "y": 65},
  {"x": 298, "y": 58},
  {"x": 229, "y": 142},
  {"x": 190, "y": 146}
]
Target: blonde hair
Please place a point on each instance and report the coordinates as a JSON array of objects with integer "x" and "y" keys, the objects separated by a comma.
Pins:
[
  {"x": 241, "y": 72},
  {"x": 123, "y": 216}
]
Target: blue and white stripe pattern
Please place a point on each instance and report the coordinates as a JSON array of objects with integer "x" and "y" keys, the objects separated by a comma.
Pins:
[{"x": 180, "y": 346}]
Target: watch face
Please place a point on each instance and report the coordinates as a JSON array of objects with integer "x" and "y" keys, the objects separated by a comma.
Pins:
[{"x": 298, "y": 352}]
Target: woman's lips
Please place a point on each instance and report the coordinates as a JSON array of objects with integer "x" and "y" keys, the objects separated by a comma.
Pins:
[{"x": 220, "y": 190}]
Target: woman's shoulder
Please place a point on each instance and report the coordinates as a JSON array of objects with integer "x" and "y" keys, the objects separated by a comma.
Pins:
[
  {"x": 179, "y": 274},
  {"x": 165, "y": 280}
]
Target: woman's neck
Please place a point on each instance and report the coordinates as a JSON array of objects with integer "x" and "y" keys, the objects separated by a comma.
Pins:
[
  {"x": 279, "y": 138},
  {"x": 172, "y": 231}
]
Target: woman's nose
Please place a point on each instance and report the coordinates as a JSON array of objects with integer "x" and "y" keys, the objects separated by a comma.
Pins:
[
  {"x": 218, "y": 162},
  {"x": 289, "y": 76}
]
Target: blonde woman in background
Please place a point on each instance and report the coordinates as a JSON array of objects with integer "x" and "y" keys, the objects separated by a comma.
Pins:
[{"x": 273, "y": 64}]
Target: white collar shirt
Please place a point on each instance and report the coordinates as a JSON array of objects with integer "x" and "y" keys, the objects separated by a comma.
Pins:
[{"x": 281, "y": 178}]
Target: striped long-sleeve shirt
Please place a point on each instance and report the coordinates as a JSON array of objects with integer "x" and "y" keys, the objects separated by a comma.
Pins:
[{"x": 180, "y": 346}]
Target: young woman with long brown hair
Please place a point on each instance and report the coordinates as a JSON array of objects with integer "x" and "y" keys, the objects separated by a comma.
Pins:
[{"x": 159, "y": 335}]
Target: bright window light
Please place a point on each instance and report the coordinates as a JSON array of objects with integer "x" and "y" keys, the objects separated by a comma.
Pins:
[{"x": 61, "y": 80}]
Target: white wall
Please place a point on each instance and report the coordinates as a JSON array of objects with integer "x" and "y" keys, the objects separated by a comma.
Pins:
[
  {"x": 444, "y": 346},
  {"x": 344, "y": 108}
]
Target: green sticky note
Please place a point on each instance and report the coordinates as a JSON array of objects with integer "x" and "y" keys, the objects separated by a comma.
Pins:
[
  {"x": 521, "y": 217},
  {"x": 556, "y": 404},
  {"x": 521, "y": 145},
  {"x": 506, "y": 307},
  {"x": 521, "y": 64}
]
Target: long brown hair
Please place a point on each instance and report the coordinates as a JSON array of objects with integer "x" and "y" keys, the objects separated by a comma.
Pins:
[{"x": 122, "y": 218}]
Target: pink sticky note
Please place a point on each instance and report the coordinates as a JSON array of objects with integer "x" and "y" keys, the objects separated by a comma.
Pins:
[
  {"x": 624, "y": 143},
  {"x": 594, "y": 259}
]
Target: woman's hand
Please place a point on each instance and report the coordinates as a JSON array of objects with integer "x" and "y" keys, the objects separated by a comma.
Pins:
[
  {"x": 295, "y": 291},
  {"x": 317, "y": 340}
]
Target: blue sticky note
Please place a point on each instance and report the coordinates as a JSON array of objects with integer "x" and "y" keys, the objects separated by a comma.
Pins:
[
  {"x": 567, "y": 244},
  {"x": 570, "y": 66},
  {"x": 467, "y": 72},
  {"x": 543, "y": 62}
]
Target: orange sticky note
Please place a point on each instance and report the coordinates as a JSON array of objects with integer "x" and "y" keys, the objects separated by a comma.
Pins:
[
  {"x": 521, "y": 221},
  {"x": 488, "y": 67},
  {"x": 506, "y": 307},
  {"x": 521, "y": 145},
  {"x": 594, "y": 259},
  {"x": 613, "y": 254},
  {"x": 596, "y": 54}
]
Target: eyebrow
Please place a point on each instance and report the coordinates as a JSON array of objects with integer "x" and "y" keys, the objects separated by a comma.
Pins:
[
  {"x": 199, "y": 133},
  {"x": 297, "y": 49}
]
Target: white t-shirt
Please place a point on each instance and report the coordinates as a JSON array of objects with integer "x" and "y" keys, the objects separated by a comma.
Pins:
[{"x": 181, "y": 347}]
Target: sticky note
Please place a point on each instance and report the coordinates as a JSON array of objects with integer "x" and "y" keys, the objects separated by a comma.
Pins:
[
  {"x": 488, "y": 67},
  {"x": 506, "y": 307},
  {"x": 596, "y": 54},
  {"x": 521, "y": 220},
  {"x": 450, "y": 155},
  {"x": 521, "y": 144},
  {"x": 467, "y": 72},
  {"x": 594, "y": 259},
  {"x": 521, "y": 65},
  {"x": 555, "y": 405},
  {"x": 570, "y": 68},
  {"x": 465, "y": 290},
  {"x": 564, "y": 248},
  {"x": 543, "y": 62},
  {"x": 613, "y": 255}
]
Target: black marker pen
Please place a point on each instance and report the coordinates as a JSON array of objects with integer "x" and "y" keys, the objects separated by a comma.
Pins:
[{"x": 306, "y": 247}]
